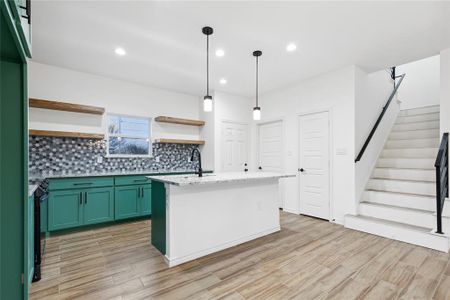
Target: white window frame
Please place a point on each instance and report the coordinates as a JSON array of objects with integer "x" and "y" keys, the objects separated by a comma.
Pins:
[{"x": 108, "y": 135}]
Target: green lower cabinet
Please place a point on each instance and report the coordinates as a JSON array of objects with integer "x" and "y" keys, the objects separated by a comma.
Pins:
[
  {"x": 146, "y": 200},
  {"x": 73, "y": 208},
  {"x": 98, "y": 205},
  {"x": 127, "y": 202},
  {"x": 65, "y": 209},
  {"x": 133, "y": 201}
]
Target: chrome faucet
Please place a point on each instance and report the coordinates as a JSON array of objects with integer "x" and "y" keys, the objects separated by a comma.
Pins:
[{"x": 200, "y": 171}]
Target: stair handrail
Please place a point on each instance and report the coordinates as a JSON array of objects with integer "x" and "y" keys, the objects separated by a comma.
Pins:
[
  {"x": 380, "y": 117},
  {"x": 441, "y": 166}
]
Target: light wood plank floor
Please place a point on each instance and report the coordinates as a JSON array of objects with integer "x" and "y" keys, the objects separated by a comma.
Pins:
[{"x": 308, "y": 259}]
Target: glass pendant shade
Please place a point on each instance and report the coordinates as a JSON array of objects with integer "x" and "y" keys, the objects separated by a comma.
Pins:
[
  {"x": 257, "y": 113},
  {"x": 207, "y": 103}
]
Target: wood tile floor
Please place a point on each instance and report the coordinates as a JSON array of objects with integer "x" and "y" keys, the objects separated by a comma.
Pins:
[{"x": 308, "y": 259}]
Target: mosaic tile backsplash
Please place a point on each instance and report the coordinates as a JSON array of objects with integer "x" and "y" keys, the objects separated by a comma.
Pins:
[{"x": 76, "y": 155}]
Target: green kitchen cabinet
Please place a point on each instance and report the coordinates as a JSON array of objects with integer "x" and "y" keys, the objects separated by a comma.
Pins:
[
  {"x": 127, "y": 202},
  {"x": 98, "y": 205},
  {"x": 132, "y": 201},
  {"x": 77, "y": 207},
  {"x": 146, "y": 200},
  {"x": 44, "y": 216},
  {"x": 65, "y": 209}
]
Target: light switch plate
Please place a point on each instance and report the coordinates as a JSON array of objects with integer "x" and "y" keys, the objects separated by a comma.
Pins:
[{"x": 341, "y": 151}]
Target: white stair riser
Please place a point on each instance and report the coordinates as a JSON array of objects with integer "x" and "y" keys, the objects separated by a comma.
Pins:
[
  {"x": 409, "y": 144},
  {"x": 410, "y": 153},
  {"x": 414, "y": 134},
  {"x": 416, "y": 126},
  {"x": 407, "y": 187},
  {"x": 418, "y": 118},
  {"x": 404, "y": 200},
  {"x": 410, "y": 217},
  {"x": 419, "y": 111},
  {"x": 440, "y": 243},
  {"x": 406, "y": 163},
  {"x": 405, "y": 174}
]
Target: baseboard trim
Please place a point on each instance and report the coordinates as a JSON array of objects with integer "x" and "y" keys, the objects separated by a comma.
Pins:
[{"x": 180, "y": 260}]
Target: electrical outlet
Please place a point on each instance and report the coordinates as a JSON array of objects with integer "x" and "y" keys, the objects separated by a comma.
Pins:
[
  {"x": 99, "y": 159},
  {"x": 259, "y": 206},
  {"x": 157, "y": 158}
]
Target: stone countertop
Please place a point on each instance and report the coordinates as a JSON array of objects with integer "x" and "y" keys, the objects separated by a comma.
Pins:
[
  {"x": 31, "y": 189},
  {"x": 53, "y": 175},
  {"x": 183, "y": 180}
]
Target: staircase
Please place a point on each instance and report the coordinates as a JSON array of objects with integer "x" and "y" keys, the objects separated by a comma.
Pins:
[{"x": 399, "y": 201}]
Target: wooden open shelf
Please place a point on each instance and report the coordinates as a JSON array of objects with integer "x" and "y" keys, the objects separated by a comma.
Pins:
[
  {"x": 53, "y": 133},
  {"x": 172, "y": 120},
  {"x": 63, "y": 106},
  {"x": 177, "y": 141}
]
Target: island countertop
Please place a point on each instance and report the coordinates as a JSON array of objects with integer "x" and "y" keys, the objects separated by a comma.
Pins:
[{"x": 185, "y": 180}]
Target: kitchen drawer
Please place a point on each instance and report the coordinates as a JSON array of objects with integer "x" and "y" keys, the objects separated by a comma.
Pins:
[
  {"x": 78, "y": 183},
  {"x": 131, "y": 180}
]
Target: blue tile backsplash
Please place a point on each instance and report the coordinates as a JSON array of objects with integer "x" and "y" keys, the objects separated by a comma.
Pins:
[{"x": 78, "y": 155}]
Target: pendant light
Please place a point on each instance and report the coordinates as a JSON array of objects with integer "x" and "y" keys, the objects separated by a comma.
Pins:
[
  {"x": 207, "y": 99},
  {"x": 257, "y": 109}
]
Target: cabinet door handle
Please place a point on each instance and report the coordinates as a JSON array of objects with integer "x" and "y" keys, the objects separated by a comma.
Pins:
[
  {"x": 83, "y": 183},
  {"x": 81, "y": 198},
  {"x": 85, "y": 197},
  {"x": 142, "y": 192}
]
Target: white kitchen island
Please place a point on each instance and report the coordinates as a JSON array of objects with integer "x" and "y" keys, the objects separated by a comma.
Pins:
[{"x": 194, "y": 216}]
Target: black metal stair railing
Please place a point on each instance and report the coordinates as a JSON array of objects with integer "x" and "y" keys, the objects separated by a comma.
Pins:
[
  {"x": 380, "y": 117},
  {"x": 441, "y": 166}
]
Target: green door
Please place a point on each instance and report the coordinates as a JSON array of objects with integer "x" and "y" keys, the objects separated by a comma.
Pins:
[
  {"x": 98, "y": 205},
  {"x": 146, "y": 200},
  {"x": 127, "y": 202},
  {"x": 65, "y": 209}
]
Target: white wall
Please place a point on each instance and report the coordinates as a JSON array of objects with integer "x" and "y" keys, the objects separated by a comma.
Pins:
[
  {"x": 334, "y": 91},
  {"x": 116, "y": 96},
  {"x": 228, "y": 107},
  {"x": 372, "y": 92},
  {"x": 421, "y": 84},
  {"x": 445, "y": 91}
]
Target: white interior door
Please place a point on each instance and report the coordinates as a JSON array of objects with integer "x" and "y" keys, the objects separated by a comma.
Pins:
[
  {"x": 270, "y": 151},
  {"x": 314, "y": 165},
  {"x": 234, "y": 147},
  {"x": 270, "y": 147}
]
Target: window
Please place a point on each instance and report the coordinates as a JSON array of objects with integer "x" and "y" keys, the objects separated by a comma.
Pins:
[{"x": 128, "y": 136}]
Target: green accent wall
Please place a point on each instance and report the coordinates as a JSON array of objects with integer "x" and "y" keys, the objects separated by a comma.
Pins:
[{"x": 159, "y": 216}]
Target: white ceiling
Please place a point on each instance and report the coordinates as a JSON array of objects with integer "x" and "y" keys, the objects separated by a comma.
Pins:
[{"x": 166, "y": 48}]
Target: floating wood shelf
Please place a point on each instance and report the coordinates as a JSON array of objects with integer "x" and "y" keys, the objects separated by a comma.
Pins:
[
  {"x": 63, "y": 106},
  {"x": 185, "y": 142},
  {"x": 53, "y": 133},
  {"x": 172, "y": 120}
]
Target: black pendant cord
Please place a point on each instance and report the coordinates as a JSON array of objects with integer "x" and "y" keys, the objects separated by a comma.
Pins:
[
  {"x": 257, "y": 80},
  {"x": 207, "y": 65}
]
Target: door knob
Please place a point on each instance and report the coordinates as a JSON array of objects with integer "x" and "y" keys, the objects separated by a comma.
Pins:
[
  {"x": 260, "y": 168},
  {"x": 301, "y": 169}
]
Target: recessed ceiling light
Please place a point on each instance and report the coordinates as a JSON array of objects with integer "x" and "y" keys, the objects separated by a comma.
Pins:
[
  {"x": 223, "y": 81},
  {"x": 291, "y": 47},
  {"x": 120, "y": 51},
  {"x": 220, "y": 52}
]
